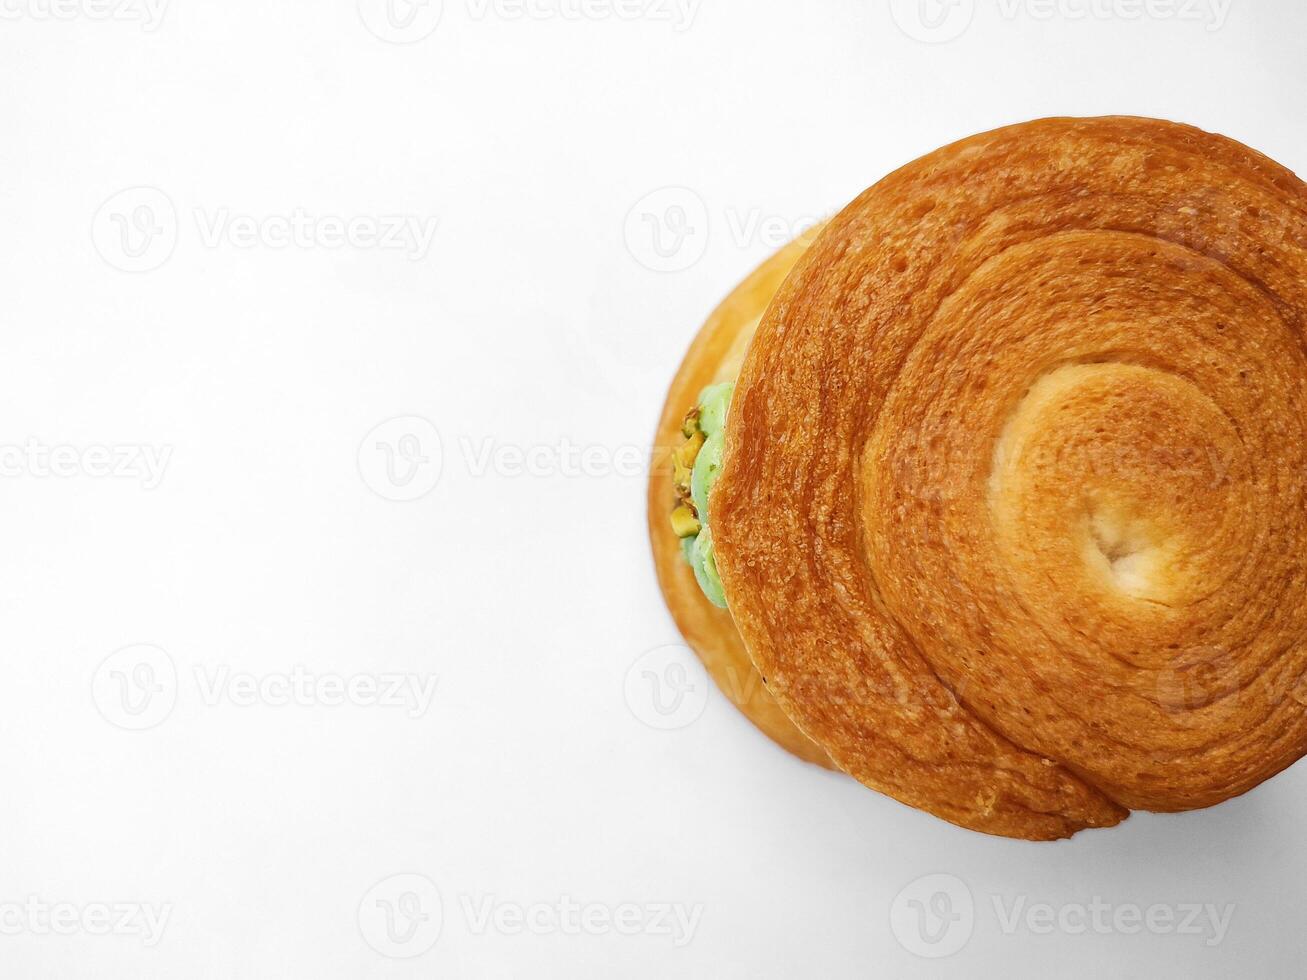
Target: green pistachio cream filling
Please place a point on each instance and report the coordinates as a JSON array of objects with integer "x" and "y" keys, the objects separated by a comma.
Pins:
[{"x": 697, "y": 464}]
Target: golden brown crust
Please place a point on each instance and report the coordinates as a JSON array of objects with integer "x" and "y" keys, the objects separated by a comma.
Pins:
[
  {"x": 1012, "y": 511},
  {"x": 715, "y": 356}
]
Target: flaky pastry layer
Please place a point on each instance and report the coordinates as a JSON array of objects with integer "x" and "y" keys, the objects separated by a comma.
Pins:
[{"x": 715, "y": 356}]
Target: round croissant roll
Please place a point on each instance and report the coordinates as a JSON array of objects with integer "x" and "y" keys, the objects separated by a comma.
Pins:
[{"x": 1011, "y": 511}]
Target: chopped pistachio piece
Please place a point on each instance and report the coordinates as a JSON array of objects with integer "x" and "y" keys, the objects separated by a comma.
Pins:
[
  {"x": 687, "y": 453},
  {"x": 680, "y": 477},
  {"x": 684, "y": 522}
]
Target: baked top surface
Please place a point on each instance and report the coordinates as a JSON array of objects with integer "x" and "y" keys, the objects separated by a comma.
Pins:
[{"x": 1011, "y": 516}]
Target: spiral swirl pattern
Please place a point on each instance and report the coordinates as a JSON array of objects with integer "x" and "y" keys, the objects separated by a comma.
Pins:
[{"x": 1012, "y": 515}]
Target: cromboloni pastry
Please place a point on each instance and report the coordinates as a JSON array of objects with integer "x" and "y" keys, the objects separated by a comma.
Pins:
[{"x": 992, "y": 496}]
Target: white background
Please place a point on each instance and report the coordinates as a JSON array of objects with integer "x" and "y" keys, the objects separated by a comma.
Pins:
[{"x": 535, "y": 323}]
